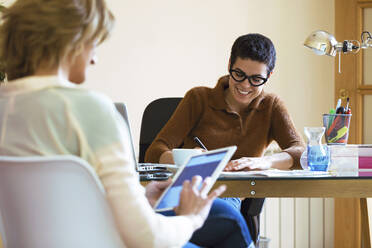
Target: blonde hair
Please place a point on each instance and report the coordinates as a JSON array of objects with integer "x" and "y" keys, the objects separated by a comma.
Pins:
[{"x": 36, "y": 33}]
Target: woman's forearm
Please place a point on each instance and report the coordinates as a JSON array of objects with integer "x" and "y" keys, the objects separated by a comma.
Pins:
[{"x": 166, "y": 158}]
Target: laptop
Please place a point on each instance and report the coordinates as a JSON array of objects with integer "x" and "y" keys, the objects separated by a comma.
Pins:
[{"x": 147, "y": 171}]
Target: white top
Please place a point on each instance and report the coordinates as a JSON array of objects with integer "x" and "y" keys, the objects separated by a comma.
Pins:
[{"x": 50, "y": 116}]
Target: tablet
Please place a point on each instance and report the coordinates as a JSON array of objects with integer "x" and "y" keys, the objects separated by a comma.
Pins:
[{"x": 207, "y": 164}]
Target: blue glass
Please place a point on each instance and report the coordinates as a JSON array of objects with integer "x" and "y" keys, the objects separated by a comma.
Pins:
[{"x": 318, "y": 157}]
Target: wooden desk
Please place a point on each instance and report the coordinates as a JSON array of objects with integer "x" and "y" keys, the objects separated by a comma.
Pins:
[
  {"x": 295, "y": 187},
  {"x": 350, "y": 231}
]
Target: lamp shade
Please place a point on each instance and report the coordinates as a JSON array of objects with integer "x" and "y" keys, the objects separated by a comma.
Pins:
[{"x": 322, "y": 43}]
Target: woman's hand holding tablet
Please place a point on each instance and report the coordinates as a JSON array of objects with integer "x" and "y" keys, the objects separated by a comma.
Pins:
[{"x": 197, "y": 203}]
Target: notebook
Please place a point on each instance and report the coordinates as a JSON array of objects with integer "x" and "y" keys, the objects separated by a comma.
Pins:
[{"x": 148, "y": 171}]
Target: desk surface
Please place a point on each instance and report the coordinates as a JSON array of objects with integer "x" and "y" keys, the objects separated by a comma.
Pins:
[{"x": 334, "y": 187}]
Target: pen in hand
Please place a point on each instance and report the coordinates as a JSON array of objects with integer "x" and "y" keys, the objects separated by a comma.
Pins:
[{"x": 197, "y": 140}]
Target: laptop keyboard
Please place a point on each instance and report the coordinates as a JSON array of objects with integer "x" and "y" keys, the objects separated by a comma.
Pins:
[
  {"x": 162, "y": 175},
  {"x": 152, "y": 167},
  {"x": 154, "y": 171}
]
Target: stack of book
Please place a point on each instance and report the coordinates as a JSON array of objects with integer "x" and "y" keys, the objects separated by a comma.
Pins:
[
  {"x": 353, "y": 160},
  {"x": 365, "y": 160}
]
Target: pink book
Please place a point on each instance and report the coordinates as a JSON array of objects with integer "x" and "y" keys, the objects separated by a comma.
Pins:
[{"x": 365, "y": 156}]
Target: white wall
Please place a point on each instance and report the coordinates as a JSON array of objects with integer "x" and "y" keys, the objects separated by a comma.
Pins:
[{"x": 163, "y": 48}]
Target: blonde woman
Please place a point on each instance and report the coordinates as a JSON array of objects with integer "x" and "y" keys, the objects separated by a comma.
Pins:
[{"x": 46, "y": 47}]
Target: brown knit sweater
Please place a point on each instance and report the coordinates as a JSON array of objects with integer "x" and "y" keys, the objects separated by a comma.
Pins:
[{"x": 204, "y": 113}]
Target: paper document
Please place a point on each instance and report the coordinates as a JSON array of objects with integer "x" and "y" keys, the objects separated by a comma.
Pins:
[{"x": 275, "y": 173}]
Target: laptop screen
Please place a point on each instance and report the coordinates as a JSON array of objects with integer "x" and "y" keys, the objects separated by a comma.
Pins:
[{"x": 124, "y": 113}]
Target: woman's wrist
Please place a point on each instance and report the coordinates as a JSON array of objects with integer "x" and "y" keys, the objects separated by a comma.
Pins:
[
  {"x": 282, "y": 161},
  {"x": 266, "y": 162}
]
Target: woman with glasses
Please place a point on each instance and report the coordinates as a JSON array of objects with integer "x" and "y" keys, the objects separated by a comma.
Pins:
[{"x": 237, "y": 111}]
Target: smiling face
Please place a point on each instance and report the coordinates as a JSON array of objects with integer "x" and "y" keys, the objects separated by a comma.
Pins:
[{"x": 241, "y": 94}]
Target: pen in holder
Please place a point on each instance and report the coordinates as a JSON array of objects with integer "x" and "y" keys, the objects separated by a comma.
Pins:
[{"x": 336, "y": 128}]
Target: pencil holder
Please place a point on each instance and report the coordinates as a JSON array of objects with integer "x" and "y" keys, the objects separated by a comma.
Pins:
[{"x": 337, "y": 128}]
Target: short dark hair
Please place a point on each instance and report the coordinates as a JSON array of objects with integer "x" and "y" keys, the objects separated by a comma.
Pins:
[{"x": 256, "y": 47}]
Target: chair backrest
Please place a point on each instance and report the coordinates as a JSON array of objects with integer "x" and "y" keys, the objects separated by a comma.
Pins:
[
  {"x": 53, "y": 202},
  {"x": 155, "y": 116}
]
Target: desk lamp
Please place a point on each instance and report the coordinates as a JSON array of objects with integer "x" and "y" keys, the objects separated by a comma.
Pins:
[{"x": 323, "y": 43}]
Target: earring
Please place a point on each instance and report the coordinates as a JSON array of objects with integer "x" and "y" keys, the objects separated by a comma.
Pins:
[{"x": 94, "y": 60}]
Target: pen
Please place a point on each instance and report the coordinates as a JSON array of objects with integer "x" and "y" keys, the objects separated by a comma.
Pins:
[
  {"x": 347, "y": 103},
  {"x": 338, "y": 104},
  {"x": 197, "y": 140},
  {"x": 347, "y": 109},
  {"x": 340, "y": 110},
  {"x": 331, "y": 117}
]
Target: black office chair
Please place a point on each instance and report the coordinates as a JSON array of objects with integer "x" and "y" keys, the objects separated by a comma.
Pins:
[{"x": 155, "y": 116}]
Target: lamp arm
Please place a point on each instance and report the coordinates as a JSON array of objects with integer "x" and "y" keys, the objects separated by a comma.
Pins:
[
  {"x": 352, "y": 46},
  {"x": 366, "y": 38}
]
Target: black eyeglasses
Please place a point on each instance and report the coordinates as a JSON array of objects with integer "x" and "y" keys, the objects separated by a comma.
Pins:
[{"x": 254, "y": 80}]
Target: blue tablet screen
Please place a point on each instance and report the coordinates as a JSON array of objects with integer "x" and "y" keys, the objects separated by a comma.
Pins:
[{"x": 203, "y": 165}]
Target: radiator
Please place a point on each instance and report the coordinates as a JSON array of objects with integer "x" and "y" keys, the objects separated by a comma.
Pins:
[{"x": 298, "y": 222}]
